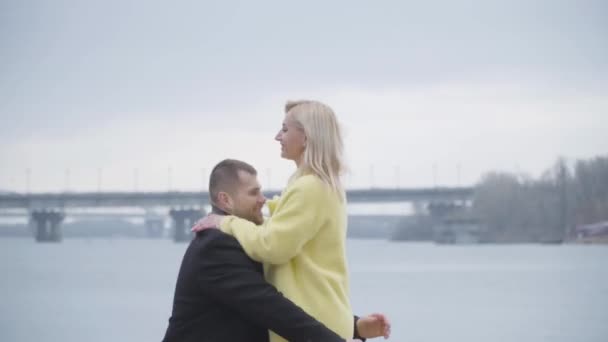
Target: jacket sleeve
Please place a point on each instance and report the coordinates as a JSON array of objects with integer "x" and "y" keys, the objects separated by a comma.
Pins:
[
  {"x": 272, "y": 204},
  {"x": 228, "y": 275},
  {"x": 283, "y": 235}
]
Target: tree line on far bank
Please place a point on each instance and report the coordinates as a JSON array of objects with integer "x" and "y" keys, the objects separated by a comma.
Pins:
[{"x": 514, "y": 207}]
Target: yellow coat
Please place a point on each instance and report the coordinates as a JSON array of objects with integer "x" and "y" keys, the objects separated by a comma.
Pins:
[{"x": 303, "y": 248}]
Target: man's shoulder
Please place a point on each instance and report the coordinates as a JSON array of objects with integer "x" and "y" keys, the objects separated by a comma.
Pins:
[
  {"x": 213, "y": 238},
  {"x": 215, "y": 244}
]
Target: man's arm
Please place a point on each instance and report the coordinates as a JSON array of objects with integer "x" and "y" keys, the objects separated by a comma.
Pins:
[{"x": 227, "y": 274}]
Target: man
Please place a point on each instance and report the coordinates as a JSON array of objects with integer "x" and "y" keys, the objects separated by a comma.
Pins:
[{"x": 221, "y": 294}]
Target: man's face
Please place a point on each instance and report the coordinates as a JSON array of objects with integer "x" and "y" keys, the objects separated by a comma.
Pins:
[{"x": 248, "y": 200}]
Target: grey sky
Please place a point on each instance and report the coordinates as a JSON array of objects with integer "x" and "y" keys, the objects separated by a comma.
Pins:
[{"x": 148, "y": 85}]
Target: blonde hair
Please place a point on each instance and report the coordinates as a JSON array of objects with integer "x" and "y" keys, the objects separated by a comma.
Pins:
[{"x": 324, "y": 147}]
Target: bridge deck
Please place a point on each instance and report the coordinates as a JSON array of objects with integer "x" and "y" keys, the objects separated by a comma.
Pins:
[{"x": 198, "y": 198}]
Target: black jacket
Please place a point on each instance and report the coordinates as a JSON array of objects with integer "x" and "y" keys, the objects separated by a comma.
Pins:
[{"x": 221, "y": 296}]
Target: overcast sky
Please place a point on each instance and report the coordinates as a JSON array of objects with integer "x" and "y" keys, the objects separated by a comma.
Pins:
[{"x": 130, "y": 89}]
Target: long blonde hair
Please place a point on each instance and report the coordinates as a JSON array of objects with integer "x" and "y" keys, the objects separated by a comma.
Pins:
[{"x": 323, "y": 155}]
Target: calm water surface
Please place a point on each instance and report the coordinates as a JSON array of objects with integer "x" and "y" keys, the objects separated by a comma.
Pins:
[{"x": 121, "y": 290}]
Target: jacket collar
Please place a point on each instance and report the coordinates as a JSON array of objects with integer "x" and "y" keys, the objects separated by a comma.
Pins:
[{"x": 218, "y": 211}]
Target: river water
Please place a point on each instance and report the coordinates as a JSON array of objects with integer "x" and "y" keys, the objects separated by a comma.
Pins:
[{"x": 121, "y": 290}]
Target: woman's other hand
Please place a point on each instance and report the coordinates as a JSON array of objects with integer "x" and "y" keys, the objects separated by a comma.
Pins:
[
  {"x": 208, "y": 222},
  {"x": 374, "y": 325}
]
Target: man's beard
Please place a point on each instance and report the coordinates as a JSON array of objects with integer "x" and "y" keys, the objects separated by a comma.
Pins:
[{"x": 249, "y": 216}]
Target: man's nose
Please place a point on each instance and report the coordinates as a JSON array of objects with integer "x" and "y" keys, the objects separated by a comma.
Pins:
[{"x": 278, "y": 136}]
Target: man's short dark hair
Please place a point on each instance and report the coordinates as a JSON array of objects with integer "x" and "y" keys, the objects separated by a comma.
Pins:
[{"x": 225, "y": 176}]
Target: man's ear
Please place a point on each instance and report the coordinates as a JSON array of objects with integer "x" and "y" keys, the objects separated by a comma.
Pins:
[{"x": 224, "y": 201}]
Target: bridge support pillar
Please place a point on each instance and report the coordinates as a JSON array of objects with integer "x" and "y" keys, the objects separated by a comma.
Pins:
[
  {"x": 47, "y": 225},
  {"x": 183, "y": 220},
  {"x": 154, "y": 227},
  {"x": 418, "y": 208}
]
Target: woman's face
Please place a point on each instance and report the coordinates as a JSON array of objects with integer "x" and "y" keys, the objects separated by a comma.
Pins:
[{"x": 292, "y": 139}]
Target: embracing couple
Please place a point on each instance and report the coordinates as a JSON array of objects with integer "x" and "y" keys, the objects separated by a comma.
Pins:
[{"x": 246, "y": 278}]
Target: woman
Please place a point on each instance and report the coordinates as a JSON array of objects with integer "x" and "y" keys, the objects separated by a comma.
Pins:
[{"x": 303, "y": 243}]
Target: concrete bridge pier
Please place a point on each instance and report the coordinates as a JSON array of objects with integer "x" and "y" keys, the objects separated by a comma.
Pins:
[
  {"x": 419, "y": 208},
  {"x": 47, "y": 225},
  {"x": 441, "y": 210},
  {"x": 183, "y": 220}
]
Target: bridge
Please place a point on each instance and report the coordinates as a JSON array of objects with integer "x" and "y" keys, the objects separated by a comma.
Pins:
[{"x": 47, "y": 210}]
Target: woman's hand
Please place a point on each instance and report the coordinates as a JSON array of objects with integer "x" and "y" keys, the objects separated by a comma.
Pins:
[
  {"x": 374, "y": 325},
  {"x": 208, "y": 222}
]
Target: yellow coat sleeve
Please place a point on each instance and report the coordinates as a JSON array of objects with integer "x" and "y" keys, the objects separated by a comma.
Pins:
[
  {"x": 272, "y": 204},
  {"x": 295, "y": 221}
]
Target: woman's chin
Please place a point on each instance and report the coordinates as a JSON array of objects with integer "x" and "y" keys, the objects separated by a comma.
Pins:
[{"x": 284, "y": 155}]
